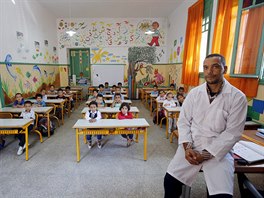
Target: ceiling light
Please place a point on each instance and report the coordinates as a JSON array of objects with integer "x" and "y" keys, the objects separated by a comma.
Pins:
[
  {"x": 71, "y": 33},
  {"x": 149, "y": 32},
  {"x": 13, "y": 1}
]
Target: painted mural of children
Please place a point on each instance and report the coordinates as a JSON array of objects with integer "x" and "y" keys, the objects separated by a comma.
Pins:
[{"x": 156, "y": 35}]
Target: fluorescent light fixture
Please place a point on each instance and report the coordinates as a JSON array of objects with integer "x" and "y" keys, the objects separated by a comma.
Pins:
[
  {"x": 149, "y": 32},
  {"x": 13, "y": 1},
  {"x": 71, "y": 33}
]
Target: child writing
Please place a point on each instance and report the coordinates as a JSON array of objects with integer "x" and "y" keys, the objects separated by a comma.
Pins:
[
  {"x": 39, "y": 101},
  {"x": 19, "y": 102},
  {"x": 169, "y": 102},
  {"x": 28, "y": 113},
  {"x": 92, "y": 115},
  {"x": 125, "y": 114},
  {"x": 117, "y": 100},
  {"x": 100, "y": 100}
]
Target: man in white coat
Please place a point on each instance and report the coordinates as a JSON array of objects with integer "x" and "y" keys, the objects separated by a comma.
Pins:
[{"x": 211, "y": 121}]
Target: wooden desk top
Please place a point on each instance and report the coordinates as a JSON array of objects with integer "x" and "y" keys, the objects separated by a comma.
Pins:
[
  {"x": 111, "y": 101},
  {"x": 251, "y": 136},
  {"x": 111, "y": 96},
  {"x": 14, "y": 123},
  {"x": 55, "y": 101},
  {"x": 172, "y": 109},
  {"x": 111, "y": 110},
  {"x": 111, "y": 123},
  {"x": 161, "y": 101},
  {"x": 255, "y": 168},
  {"x": 19, "y": 110}
]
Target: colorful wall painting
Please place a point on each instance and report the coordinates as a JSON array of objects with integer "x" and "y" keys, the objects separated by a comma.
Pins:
[
  {"x": 108, "y": 32},
  {"x": 156, "y": 35},
  {"x": 28, "y": 79},
  {"x": 176, "y": 52}
]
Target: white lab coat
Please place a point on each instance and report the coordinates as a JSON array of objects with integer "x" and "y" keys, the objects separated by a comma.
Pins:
[{"x": 215, "y": 127}]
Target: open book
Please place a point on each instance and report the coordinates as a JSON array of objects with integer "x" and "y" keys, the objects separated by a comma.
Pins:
[{"x": 249, "y": 151}]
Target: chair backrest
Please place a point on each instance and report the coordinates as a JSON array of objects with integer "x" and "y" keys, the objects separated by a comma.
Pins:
[
  {"x": 36, "y": 120},
  {"x": 5, "y": 115}
]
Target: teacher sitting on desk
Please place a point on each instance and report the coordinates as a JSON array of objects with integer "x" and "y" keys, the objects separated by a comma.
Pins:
[{"x": 211, "y": 121}]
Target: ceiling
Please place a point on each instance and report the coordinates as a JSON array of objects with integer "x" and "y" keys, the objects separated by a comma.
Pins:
[{"x": 110, "y": 8}]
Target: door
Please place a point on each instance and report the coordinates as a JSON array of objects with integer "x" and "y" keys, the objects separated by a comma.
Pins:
[{"x": 80, "y": 62}]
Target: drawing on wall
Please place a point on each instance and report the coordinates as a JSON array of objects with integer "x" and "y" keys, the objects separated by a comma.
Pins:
[
  {"x": 105, "y": 33},
  {"x": 176, "y": 54},
  {"x": 38, "y": 53},
  {"x": 20, "y": 36},
  {"x": 55, "y": 58},
  {"x": 46, "y": 43},
  {"x": 22, "y": 50},
  {"x": 156, "y": 35},
  {"x": 8, "y": 64},
  {"x": 37, "y": 46}
]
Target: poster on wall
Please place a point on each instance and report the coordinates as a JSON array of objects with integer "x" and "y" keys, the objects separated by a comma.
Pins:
[
  {"x": 20, "y": 36},
  {"x": 37, "y": 45},
  {"x": 46, "y": 43}
]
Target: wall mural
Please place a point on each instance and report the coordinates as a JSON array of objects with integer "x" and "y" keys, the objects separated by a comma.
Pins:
[
  {"x": 26, "y": 79},
  {"x": 176, "y": 53},
  {"x": 100, "y": 34}
]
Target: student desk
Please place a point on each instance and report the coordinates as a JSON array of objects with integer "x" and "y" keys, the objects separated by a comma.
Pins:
[
  {"x": 68, "y": 104},
  {"x": 250, "y": 135},
  {"x": 152, "y": 98},
  {"x": 109, "y": 102},
  {"x": 58, "y": 102},
  {"x": 7, "y": 128},
  {"x": 39, "y": 110},
  {"x": 105, "y": 126},
  {"x": 172, "y": 112},
  {"x": 109, "y": 111},
  {"x": 159, "y": 105},
  {"x": 110, "y": 96}
]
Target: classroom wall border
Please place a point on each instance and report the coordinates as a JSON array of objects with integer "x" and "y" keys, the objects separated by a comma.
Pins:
[{"x": 40, "y": 64}]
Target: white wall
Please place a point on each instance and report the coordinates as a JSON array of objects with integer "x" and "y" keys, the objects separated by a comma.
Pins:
[
  {"x": 36, "y": 23},
  {"x": 177, "y": 26}
]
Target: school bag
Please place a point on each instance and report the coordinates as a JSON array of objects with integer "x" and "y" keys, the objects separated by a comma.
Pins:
[{"x": 43, "y": 127}]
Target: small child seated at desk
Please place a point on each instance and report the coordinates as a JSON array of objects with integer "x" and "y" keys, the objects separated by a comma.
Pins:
[
  {"x": 173, "y": 90},
  {"x": 68, "y": 92},
  {"x": 117, "y": 100},
  {"x": 52, "y": 90},
  {"x": 92, "y": 115},
  {"x": 155, "y": 91},
  {"x": 113, "y": 89},
  {"x": 60, "y": 94},
  {"x": 107, "y": 88},
  {"x": 180, "y": 99},
  {"x": 181, "y": 91},
  {"x": 28, "y": 113},
  {"x": 19, "y": 102},
  {"x": 101, "y": 89},
  {"x": 100, "y": 100},
  {"x": 39, "y": 101},
  {"x": 44, "y": 96},
  {"x": 169, "y": 102},
  {"x": 93, "y": 97},
  {"x": 162, "y": 95},
  {"x": 118, "y": 91},
  {"x": 125, "y": 114}
]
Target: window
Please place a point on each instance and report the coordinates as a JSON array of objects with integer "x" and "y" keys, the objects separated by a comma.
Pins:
[
  {"x": 206, "y": 26},
  {"x": 248, "y": 50}
]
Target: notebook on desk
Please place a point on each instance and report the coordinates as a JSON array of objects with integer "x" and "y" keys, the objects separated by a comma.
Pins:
[{"x": 249, "y": 151}]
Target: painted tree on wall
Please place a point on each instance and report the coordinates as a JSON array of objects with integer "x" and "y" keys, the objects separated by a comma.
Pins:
[{"x": 139, "y": 55}]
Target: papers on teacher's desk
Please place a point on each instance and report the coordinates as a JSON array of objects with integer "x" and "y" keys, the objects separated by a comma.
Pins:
[{"x": 249, "y": 151}]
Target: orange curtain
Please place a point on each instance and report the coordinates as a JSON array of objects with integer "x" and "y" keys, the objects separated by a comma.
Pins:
[
  {"x": 223, "y": 41},
  {"x": 191, "y": 57}
]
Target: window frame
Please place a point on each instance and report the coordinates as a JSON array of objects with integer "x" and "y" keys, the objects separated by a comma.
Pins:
[{"x": 260, "y": 57}]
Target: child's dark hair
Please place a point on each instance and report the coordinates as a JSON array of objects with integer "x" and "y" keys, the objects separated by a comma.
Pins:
[
  {"x": 162, "y": 91},
  {"x": 180, "y": 95},
  {"x": 124, "y": 104},
  {"x": 101, "y": 85},
  {"x": 181, "y": 88},
  {"x": 172, "y": 85},
  {"x": 155, "y": 86},
  {"x": 117, "y": 94},
  {"x": 52, "y": 86},
  {"x": 60, "y": 89},
  {"x": 18, "y": 94},
  {"x": 93, "y": 103},
  {"x": 95, "y": 90},
  {"x": 113, "y": 86},
  {"x": 119, "y": 83},
  {"x": 43, "y": 89},
  {"x": 168, "y": 93},
  {"x": 68, "y": 87},
  {"x": 106, "y": 83},
  {"x": 38, "y": 95},
  {"x": 99, "y": 95},
  {"x": 28, "y": 102}
]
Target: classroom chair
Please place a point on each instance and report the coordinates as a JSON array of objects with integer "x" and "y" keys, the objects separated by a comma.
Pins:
[
  {"x": 174, "y": 134},
  {"x": 53, "y": 113},
  {"x": 35, "y": 128}
]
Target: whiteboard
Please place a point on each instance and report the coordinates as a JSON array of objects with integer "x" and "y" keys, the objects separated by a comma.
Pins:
[{"x": 107, "y": 73}]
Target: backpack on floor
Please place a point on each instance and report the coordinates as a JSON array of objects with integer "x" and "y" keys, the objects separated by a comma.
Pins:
[
  {"x": 43, "y": 127},
  {"x": 161, "y": 115}
]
